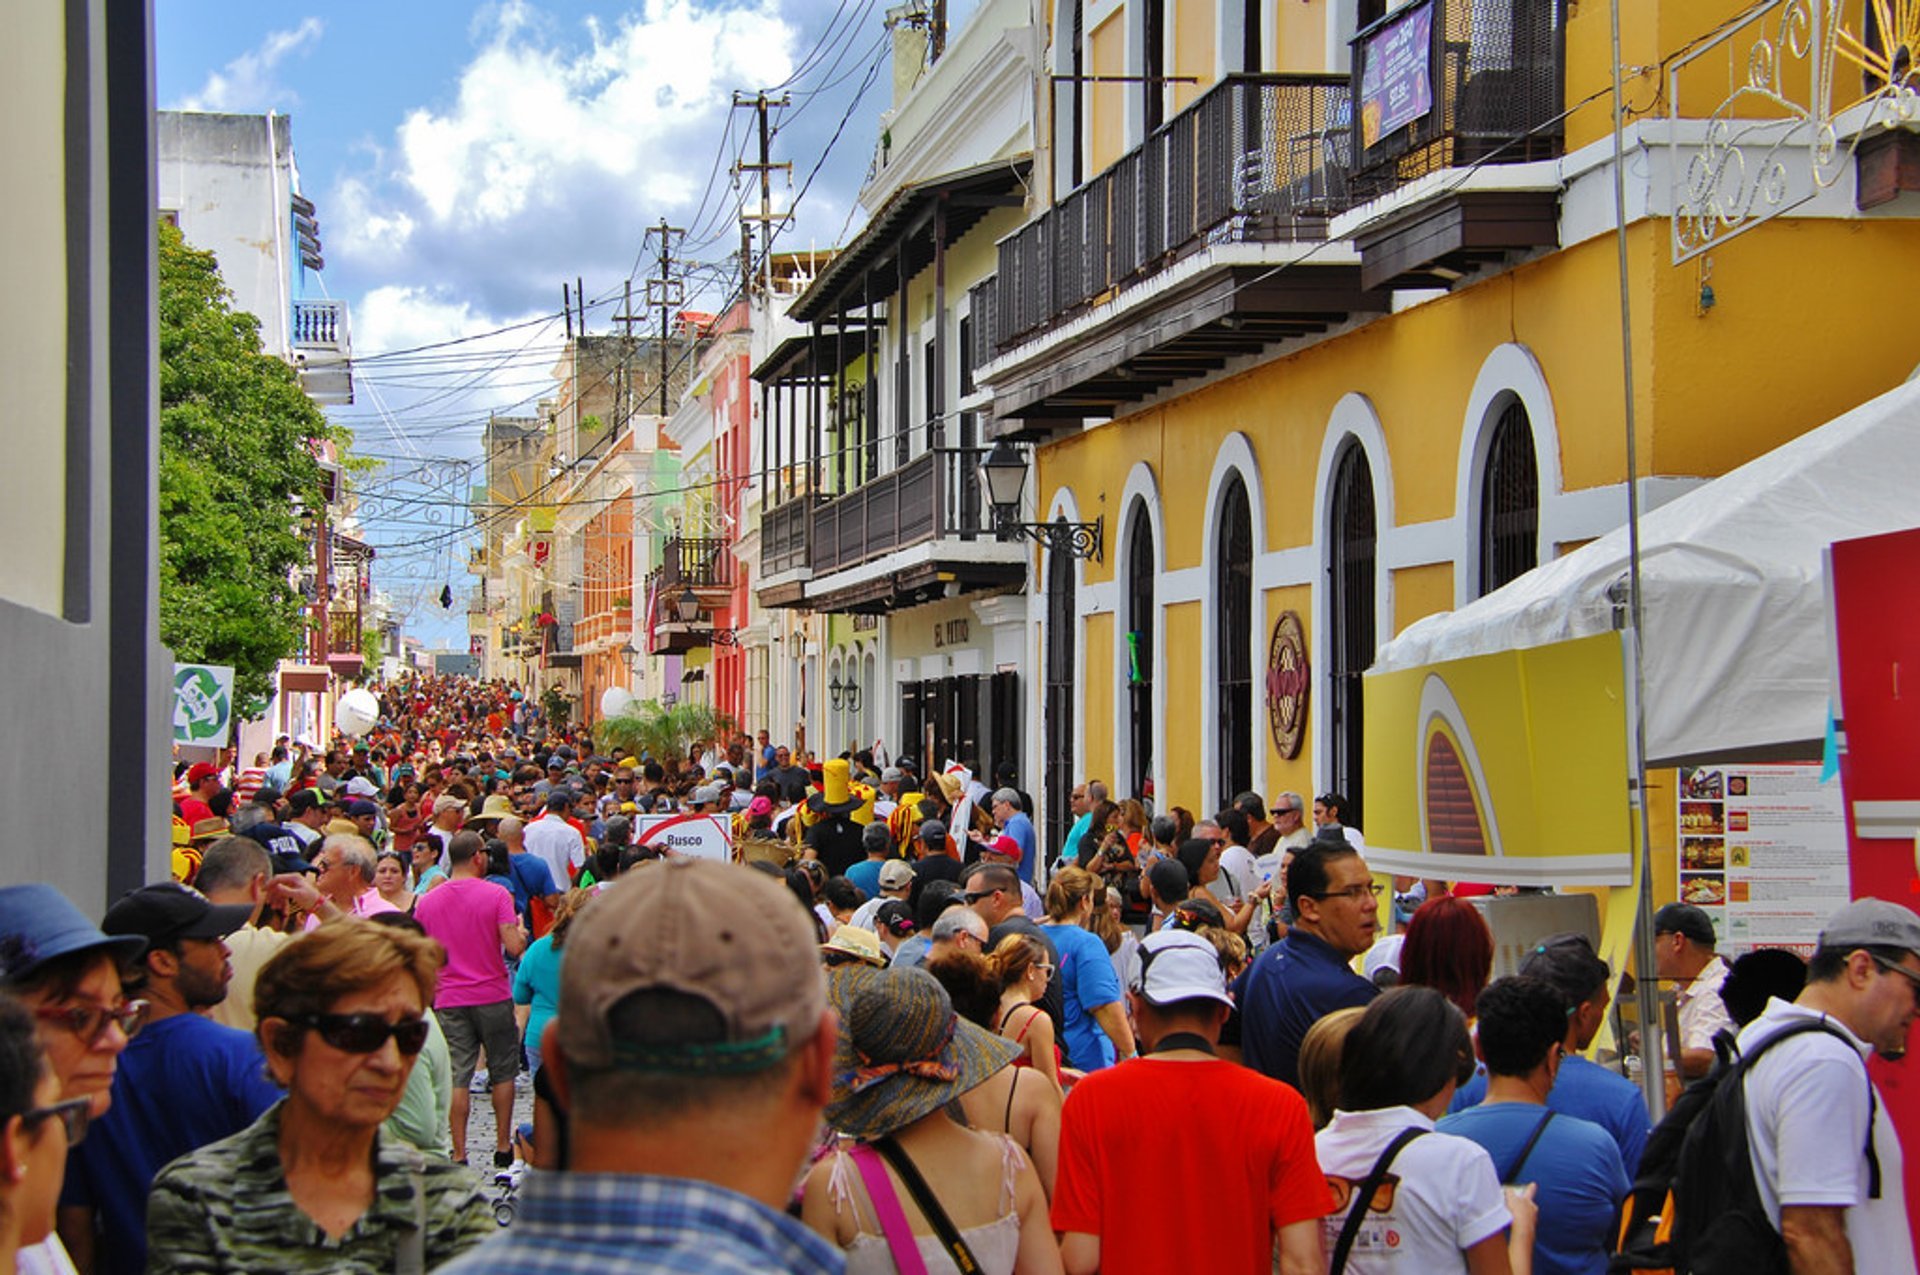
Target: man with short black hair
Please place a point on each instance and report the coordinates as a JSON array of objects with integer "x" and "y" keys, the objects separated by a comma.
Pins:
[
  {"x": 1331, "y": 810},
  {"x": 306, "y": 817},
  {"x": 1581, "y": 1088},
  {"x": 1683, "y": 943},
  {"x": 555, "y": 841},
  {"x": 1520, "y": 1034},
  {"x": 1254, "y": 1178},
  {"x": 877, "y": 843},
  {"x": 691, "y": 1065},
  {"x": 792, "y": 780},
  {"x": 1307, "y": 975},
  {"x": 185, "y": 1080},
  {"x": 238, "y": 870},
  {"x": 1818, "y": 1130}
]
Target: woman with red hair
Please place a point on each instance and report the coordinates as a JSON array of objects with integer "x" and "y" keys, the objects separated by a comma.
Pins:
[{"x": 1450, "y": 949}]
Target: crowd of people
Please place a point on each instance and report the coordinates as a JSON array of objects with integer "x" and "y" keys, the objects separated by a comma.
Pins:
[{"x": 894, "y": 1032}]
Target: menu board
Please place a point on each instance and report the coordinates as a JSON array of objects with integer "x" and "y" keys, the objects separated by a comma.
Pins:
[
  {"x": 1763, "y": 849},
  {"x": 1396, "y": 77}
]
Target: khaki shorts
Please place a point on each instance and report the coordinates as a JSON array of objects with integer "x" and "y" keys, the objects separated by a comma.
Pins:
[{"x": 468, "y": 1028}]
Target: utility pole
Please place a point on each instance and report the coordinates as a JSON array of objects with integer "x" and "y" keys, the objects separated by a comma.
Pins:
[
  {"x": 666, "y": 294},
  {"x": 759, "y": 103},
  {"x": 626, "y": 319}
]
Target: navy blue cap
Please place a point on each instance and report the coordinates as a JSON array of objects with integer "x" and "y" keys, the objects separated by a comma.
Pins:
[
  {"x": 361, "y": 808},
  {"x": 38, "y": 924}
]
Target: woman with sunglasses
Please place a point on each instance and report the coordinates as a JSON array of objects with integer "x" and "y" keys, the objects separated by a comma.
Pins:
[
  {"x": 1436, "y": 1195},
  {"x": 36, "y": 1128},
  {"x": 66, "y": 973},
  {"x": 314, "y": 1184}
]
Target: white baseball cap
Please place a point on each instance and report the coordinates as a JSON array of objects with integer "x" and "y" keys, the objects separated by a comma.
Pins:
[{"x": 1178, "y": 965}]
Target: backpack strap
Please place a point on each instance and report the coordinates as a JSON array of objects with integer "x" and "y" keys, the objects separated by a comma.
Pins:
[
  {"x": 1799, "y": 1027},
  {"x": 1512, "y": 1174},
  {"x": 1363, "y": 1196}
]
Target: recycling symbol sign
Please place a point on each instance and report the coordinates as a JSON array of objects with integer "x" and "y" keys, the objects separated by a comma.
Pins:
[{"x": 202, "y": 704}]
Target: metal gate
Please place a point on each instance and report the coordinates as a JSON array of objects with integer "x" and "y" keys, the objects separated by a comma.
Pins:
[
  {"x": 1233, "y": 643},
  {"x": 1509, "y": 502},
  {"x": 1057, "y": 732},
  {"x": 1350, "y": 610},
  {"x": 1140, "y": 632}
]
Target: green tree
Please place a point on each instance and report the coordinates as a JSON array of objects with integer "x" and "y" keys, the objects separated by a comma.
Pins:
[
  {"x": 237, "y": 471},
  {"x": 661, "y": 731}
]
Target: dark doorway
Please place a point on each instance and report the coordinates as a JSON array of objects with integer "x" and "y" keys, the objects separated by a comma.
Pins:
[
  {"x": 1352, "y": 535},
  {"x": 1057, "y": 729},
  {"x": 1233, "y": 640},
  {"x": 1509, "y": 502},
  {"x": 1140, "y": 637}
]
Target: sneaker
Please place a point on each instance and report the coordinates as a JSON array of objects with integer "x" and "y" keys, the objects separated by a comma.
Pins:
[
  {"x": 479, "y": 1084},
  {"x": 503, "y": 1159}
]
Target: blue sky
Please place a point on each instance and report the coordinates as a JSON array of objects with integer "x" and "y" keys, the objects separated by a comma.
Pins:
[{"x": 465, "y": 159}]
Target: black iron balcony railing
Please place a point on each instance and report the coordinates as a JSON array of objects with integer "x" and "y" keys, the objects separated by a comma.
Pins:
[
  {"x": 1254, "y": 158},
  {"x": 699, "y": 562},
  {"x": 1449, "y": 83}
]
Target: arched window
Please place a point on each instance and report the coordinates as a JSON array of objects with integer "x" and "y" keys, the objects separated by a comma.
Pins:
[
  {"x": 1233, "y": 640},
  {"x": 869, "y": 697},
  {"x": 1353, "y": 537},
  {"x": 837, "y": 735},
  {"x": 1059, "y": 693},
  {"x": 1140, "y": 632},
  {"x": 1509, "y": 502}
]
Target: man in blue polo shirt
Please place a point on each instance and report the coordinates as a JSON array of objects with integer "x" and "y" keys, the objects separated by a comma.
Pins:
[{"x": 1306, "y": 976}]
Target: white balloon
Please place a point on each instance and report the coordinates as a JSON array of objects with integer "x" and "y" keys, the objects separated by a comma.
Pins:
[
  {"x": 356, "y": 712},
  {"x": 615, "y": 700}
]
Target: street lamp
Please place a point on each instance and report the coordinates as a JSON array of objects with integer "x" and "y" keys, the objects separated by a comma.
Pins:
[
  {"x": 844, "y": 694},
  {"x": 1004, "y": 472},
  {"x": 687, "y": 605}
]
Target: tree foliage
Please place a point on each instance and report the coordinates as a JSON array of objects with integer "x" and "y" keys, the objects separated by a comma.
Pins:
[
  {"x": 661, "y": 730},
  {"x": 237, "y": 470}
]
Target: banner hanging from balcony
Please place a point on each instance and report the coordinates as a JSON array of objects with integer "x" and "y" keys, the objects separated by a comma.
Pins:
[
  {"x": 1396, "y": 78},
  {"x": 1509, "y": 768}
]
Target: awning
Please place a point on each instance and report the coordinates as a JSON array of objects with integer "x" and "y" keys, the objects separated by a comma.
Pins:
[{"x": 1736, "y": 648}]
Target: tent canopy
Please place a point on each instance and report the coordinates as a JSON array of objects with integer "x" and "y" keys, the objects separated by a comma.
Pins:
[{"x": 1736, "y": 641}]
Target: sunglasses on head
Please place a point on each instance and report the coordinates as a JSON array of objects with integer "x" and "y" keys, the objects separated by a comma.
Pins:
[{"x": 366, "y": 1033}]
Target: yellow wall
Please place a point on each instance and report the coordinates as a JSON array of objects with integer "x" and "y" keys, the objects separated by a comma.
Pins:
[
  {"x": 1183, "y": 706},
  {"x": 1711, "y": 391},
  {"x": 1193, "y": 27},
  {"x": 1420, "y": 591},
  {"x": 1097, "y": 676},
  {"x": 1300, "y": 41},
  {"x": 1107, "y": 103}
]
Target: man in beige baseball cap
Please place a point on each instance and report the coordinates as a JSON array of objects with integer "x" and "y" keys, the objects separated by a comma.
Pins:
[{"x": 691, "y": 1058}]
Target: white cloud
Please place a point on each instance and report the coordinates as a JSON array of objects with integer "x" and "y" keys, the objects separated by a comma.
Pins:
[{"x": 247, "y": 82}]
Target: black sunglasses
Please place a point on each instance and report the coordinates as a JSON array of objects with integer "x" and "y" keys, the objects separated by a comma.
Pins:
[
  {"x": 366, "y": 1033},
  {"x": 75, "y": 1113},
  {"x": 974, "y": 896}
]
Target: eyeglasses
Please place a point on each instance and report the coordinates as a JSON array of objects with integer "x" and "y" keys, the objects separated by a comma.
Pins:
[
  {"x": 1045, "y": 970},
  {"x": 974, "y": 896},
  {"x": 1913, "y": 979},
  {"x": 365, "y": 1033},
  {"x": 75, "y": 1113},
  {"x": 90, "y": 1022},
  {"x": 1358, "y": 893}
]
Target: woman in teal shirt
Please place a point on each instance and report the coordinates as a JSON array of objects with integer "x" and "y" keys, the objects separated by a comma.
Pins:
[{"x": 536, "y": 983}]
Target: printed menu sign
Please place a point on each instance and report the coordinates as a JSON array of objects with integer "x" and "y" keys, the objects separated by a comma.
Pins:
[
  {"x": 1396, "y": 79},
  {"x": 1764, "y": 850}
]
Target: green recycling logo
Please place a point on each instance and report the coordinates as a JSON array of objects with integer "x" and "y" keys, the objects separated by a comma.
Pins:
[{"x": 202, "y": 703}]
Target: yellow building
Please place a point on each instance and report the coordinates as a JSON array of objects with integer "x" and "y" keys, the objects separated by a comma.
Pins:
[{"x": 1333, "y": 332}]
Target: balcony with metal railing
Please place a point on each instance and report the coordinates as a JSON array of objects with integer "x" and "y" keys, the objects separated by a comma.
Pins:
[{"x": 1162, "y": 266}]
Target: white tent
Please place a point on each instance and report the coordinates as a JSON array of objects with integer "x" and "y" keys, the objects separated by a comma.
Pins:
[{"x": 1736, "y": 641}]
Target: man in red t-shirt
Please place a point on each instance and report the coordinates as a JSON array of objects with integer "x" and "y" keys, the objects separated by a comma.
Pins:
[
  {"x": 1226, "y": 1151},
  {"x": 203, "y": 782}
]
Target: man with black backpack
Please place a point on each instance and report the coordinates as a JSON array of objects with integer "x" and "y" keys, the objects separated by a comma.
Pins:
[{"x": 1825, "y": 1157}]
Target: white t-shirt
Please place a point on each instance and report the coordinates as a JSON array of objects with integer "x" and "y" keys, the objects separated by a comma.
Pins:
[
  {"x": 1446, "y": 1196},
  {"x": 1239, "y": 874},
  {"x": 556, "y": 842},
  {"x": 1807, "y": 1108},
  {"x": 1702, "y": 1012}
]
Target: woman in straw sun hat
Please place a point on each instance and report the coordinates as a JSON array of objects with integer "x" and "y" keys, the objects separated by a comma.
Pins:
[{"x": 903, "y": 1056}]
